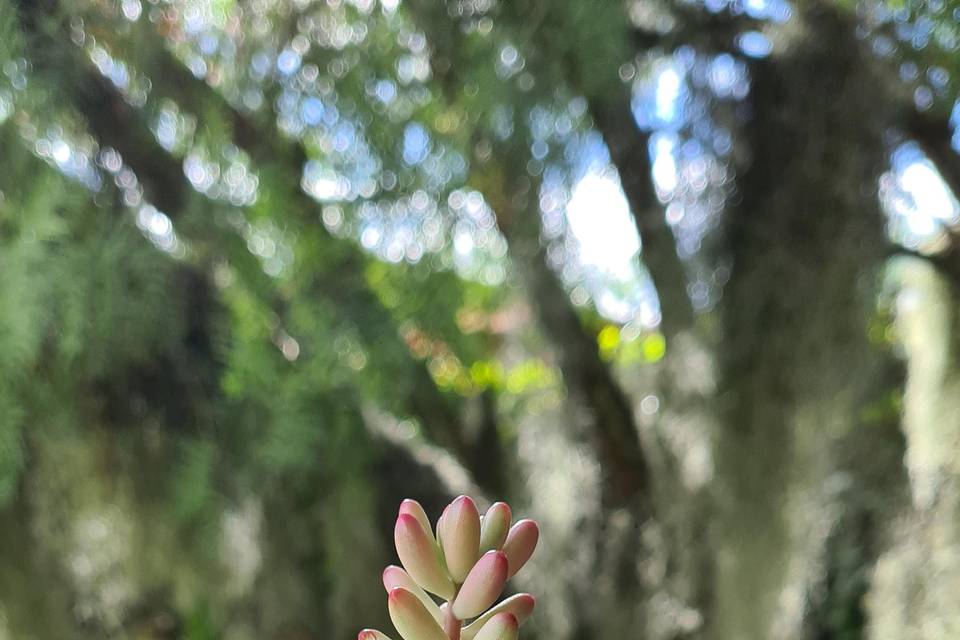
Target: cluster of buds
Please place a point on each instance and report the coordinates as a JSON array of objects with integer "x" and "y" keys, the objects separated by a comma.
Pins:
[{"x": 466, "y": 564}]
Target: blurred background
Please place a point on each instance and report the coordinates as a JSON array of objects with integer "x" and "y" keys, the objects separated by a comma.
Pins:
[{"x": 681, "y": 280}]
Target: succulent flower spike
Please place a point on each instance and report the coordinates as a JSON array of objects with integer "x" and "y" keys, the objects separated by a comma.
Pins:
[
  {"x": 520, "y": 605},
  {"x": 521, "y": 541},
  {"x": 411, "y": 618},
  {"x": 461, "y": 537},
  {"x": 418, "y": 554},
  {"x": 482, "y": 586},
  {"x": 502, "y": 626},
  {"x": 494, "y": 527},
  {"x": 466, "y": 563},
  {"x": 394, "y": 576}
]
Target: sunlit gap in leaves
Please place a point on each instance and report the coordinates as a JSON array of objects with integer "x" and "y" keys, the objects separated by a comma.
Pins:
[
  {"x": 605, "y": 247},
  {"x": 226, "y": 177},
  {"x": 772, "y": 10},
  {"x": 920, "y": 207},
  {"x": 155, "y": 225},
  {"x": 599, "y": 220},
  {"x": 689, "y": 172},
  {"x": 677, "y": 99}
]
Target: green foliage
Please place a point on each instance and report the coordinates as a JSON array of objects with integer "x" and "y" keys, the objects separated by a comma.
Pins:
[
  {"x": 28, "y": 222},
  {"x": 193, "y": 482},
  {"x": 84, "y": 303},
  {"x": 435, "y": 304},
  {"x": 200, "y": 624},
  {"x": 10, "y": 37}
]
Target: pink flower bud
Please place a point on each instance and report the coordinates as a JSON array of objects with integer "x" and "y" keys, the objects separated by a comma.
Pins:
[
  {"x": 502, "y": 626},
  {"x": 520, "y": 605},
  {"x": 520, "y": 543},
  {"x": 440, "y": 526},
  {"x": 494, "y": 527},
  {"x": 372, "y": 634},
  {"x": 483, "y": 585},
  {"x": 418, "y": 554},
  {"x": 461, "y": 537},
  {"x": 411, "y": 619},
  {"x": 413, "y": 508},
  {"x": 394, "y": 576}
]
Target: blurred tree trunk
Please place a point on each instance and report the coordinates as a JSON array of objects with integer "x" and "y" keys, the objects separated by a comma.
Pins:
[
  {"x": 917, "y": 580},
  {"x": 797, "y": 369}
]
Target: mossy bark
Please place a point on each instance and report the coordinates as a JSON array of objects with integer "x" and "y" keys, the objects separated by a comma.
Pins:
[{"x": 797, "y": 369}]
